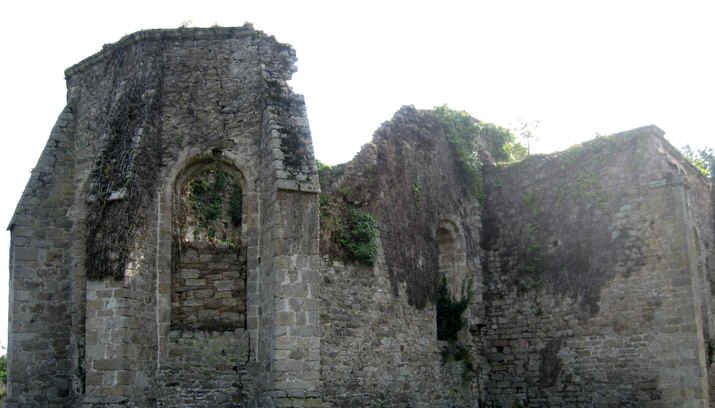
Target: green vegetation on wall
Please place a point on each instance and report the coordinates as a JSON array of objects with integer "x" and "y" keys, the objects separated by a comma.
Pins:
[
  {"x": 465, "y": 134},
  {"x": 356, "y": 234},
  {"x": 3, "y": 369},
  {"x": 207, "y": 198},
  {"x": 211, "y": 198},
  {"x": 450, "y": 322},
  {"x": 450, "y": 311},
  {"x": 703, "y": 159},
  {"x": 462, "y": 134},
  {"x": 3, "y": 376}
]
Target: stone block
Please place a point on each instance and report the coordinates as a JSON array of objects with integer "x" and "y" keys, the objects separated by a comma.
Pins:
[
  {"x": 111, "y": 364},
  {"x": 285, "y": 318},
  {"x": 24, "y": 254},
  {"x": 223, "y": 285},
  {"x": 189, "y": 273}
]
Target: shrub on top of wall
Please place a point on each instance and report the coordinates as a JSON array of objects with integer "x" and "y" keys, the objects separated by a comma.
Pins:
[{"x": 357, "y": 236}]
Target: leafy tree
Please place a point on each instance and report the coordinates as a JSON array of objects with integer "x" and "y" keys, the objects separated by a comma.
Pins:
[
  {"x": 524, "y": 131},
  {"x": 465, "y": 133},
  {"x": 703, "y": 159},
  {"x": 516, "y": 151},
  {"x": 3, "y": 369}
]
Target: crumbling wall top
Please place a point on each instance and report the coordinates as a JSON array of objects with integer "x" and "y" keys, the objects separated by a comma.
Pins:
[{"x": 183, "y": 34}]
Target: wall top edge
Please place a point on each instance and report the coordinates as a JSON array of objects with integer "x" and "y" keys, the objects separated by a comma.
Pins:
[{"x": 162, "y": 34}]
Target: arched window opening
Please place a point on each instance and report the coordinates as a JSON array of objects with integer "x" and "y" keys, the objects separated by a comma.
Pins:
[
  {"x": 209, "y": 277},
  {"x": 455, "y": 289},
  {"x": 446, "y": 252}
]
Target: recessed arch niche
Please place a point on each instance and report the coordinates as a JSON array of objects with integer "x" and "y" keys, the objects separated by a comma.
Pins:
[
  {"x": 452, "y": 259},
  {"x": 208, "y": 282}
]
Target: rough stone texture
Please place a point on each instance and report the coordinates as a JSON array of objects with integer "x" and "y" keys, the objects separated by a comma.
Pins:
[
  {"x": 591, "y": 270},
  {"x": 379, "y": 343},
  {"x": 378, "y": 350},
  {"x": 92, "y": 315},
  {"x": 42, "y": 293},
  {"x": 205, "y": 369},
  {"x": 209, "y": 289},
  {"x": 593, "y": 293}
]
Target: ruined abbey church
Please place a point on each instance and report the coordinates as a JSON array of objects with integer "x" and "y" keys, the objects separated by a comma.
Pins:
[{"x": 178, "y": 245}]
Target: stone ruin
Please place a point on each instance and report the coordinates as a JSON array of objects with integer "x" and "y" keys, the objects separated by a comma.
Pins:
[{"x": 178, "y": 246}]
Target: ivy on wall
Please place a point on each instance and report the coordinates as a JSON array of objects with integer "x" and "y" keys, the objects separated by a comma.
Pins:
[
  {"x": 124, "y": 179},
  {"x": 450, "y": 311},
  {"x": 450, "y": 322}
]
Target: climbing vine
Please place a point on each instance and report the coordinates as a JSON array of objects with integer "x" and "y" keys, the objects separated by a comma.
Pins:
[
  {"x": 450, "y": 310},
  {"x": 450, "y": 321},
  {"x": 123, "y": 181}
]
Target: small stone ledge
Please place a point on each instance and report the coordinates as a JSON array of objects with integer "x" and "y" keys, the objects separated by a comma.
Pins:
[
  {"x": 648, "y": 130},
  {"x": 293, "y": 185},
  {"x": 94, "y": 401},
  {"x": 298, "y": 402}
]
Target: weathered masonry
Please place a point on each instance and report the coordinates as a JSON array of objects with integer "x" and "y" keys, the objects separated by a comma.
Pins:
[
  {"x": 176, "y": 247},
  {"x": 165, "y": 251}
]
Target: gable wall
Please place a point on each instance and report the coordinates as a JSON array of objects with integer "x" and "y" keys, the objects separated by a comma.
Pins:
[{"x": 592, "y": 291}]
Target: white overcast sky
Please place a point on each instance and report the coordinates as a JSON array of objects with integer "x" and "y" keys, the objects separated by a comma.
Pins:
[{"x": 579, "y": 67}]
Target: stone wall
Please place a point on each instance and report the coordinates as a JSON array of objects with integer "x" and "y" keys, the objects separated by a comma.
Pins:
[
  {"x": 711, "y": 274},
  {"x": 144, "y": 114},
  {"x": 209, "y": 289},
  {"x": 41, "y": 355},
  {"x": 171, "y": 249},
  {"x": 379, "y": 344},
  {"x": 288, "y": 335},
  {"x": 205, "y": 369},
  {"x": 591, "y": 291},
  {"x": 378, "y": 350}
]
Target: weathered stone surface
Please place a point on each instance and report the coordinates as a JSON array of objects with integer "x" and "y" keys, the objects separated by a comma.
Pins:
[
  {"x": 171, "y": 249},
  {"x": 596, "y": 278},
  {"x": 206, "y": 369},
  {"x": 100, "y": 276},
  {"x": 379, "y": 343}
]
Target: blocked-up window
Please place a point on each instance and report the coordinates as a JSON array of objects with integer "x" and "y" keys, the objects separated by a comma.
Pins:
[{"x": 209, "y": 276}]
